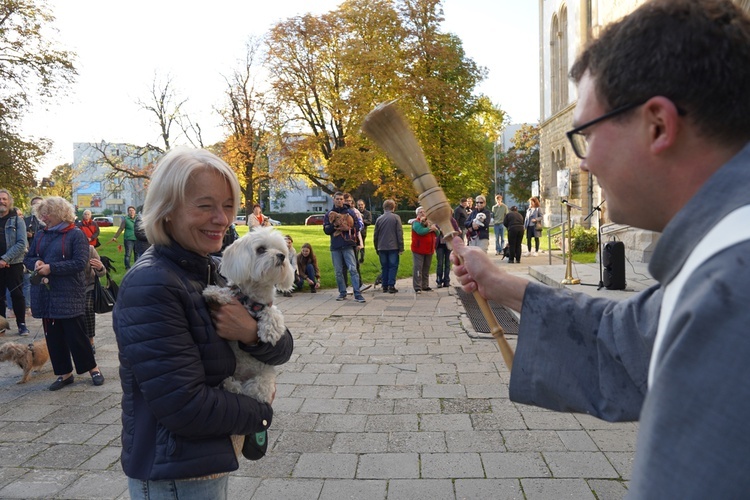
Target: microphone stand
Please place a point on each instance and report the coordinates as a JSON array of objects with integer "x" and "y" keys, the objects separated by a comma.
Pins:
[{"x": 598, "y": 208}]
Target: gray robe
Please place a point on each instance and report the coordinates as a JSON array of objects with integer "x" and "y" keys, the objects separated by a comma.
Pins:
[{"x": 591, "y": 355}]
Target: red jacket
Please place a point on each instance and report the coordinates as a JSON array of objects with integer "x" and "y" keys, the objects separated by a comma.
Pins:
[
  {"x": 91, "y": 230},
  {"x": 423, "y": 244}
]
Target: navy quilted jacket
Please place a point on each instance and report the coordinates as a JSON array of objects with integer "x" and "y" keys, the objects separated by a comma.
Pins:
[
  {"x": 66, "y": 250},
  {"x": 176, "y": 421}
]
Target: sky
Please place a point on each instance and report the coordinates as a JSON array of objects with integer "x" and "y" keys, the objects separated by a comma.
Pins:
[{"x": 122, "y": 46}]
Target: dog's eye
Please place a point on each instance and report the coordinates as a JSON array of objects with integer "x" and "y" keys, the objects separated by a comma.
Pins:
[{"x": 261, "y": 250}]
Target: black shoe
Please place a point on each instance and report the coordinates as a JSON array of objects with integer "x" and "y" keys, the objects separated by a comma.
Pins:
[
  {"x": 287, "y": 294},
  {"x": 386, "y": 289},
  {"x": 97, "y": 378},
  {"x": 255, "y": 446},
  {"x": 313, "y": 290},
  {"x": 393, "y": 289},
  {"x": 427, "y": 289},
  {"x": 60, "y": 383}
]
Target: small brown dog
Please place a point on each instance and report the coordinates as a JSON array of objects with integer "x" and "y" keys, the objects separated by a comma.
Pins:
[
  {"x": 27, "y": 356},
  {"x": 343, "y": 223},
  {"x": 4, "y": 325}
]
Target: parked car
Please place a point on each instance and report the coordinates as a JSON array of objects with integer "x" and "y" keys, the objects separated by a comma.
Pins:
[
  {"x": 240, "y": 220},
  {"x": 104, "y": 221},
  {"x": 315, "y": 220}
]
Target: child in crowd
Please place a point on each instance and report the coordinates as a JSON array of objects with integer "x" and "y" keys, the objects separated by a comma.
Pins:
[{"x": 307, "y": 269}]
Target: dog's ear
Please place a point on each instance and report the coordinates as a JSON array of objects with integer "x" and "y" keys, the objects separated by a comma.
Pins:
[{"x": 234, "y": 260}]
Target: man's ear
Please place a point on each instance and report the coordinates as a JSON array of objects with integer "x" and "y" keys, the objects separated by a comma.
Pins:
[{"x": 664, "y": 123}]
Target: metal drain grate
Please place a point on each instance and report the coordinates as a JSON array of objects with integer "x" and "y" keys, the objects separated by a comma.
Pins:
[{"x": 506, "y": 318}]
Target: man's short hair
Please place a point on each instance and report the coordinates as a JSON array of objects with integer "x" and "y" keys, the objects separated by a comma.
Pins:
[
  {"x": 464, "y": 200},
  {"x": 389, "y": 205},
  {"x": 694, "y": 52}
]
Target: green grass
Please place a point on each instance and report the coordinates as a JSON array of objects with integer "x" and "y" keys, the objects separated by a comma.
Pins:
[{"x": 320, "y": 243}]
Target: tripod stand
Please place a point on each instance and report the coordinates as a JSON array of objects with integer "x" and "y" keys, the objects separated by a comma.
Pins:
[{"x": 599, "y": 209}]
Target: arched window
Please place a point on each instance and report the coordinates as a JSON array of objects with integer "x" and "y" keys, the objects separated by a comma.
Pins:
[
  {"x": 554, "y": 52},
  {"x": 563, "y": 47},
  {"x": 558, "y": 41}
]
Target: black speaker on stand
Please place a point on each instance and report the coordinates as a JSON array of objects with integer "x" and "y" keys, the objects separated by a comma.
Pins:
[{"x": 613, "y": 260}]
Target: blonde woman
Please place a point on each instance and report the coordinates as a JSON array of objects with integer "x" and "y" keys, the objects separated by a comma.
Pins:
[{"x": 59, "y": 255}]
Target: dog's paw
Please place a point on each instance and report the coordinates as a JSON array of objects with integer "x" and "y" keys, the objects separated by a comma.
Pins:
[
  {"x": 230, "y": 384},
  {"x": 217, "y": 294}
]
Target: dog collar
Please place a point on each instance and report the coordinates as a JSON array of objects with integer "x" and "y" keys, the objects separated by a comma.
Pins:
[{"x": 254, "y": 308}]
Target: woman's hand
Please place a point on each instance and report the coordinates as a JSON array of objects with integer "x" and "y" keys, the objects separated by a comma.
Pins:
[
  {"x": 233, "y": 322},
  {"x": 41, "y": 268},
  {"x": 96, "y": 264}
]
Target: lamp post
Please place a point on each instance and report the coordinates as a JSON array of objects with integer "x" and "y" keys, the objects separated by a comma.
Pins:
[{"x": 494, "y": 154}]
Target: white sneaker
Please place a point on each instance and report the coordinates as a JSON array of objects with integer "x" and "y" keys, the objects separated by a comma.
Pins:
[
  {"x": 536, "y": 253},
  {"x": 525, "y": 254}
]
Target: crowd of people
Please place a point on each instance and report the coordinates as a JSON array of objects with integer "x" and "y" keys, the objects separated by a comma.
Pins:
[{"x": 660, "y": 121}]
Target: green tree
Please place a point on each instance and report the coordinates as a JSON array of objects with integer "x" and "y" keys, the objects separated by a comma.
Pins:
[
  {"x": 521, "y": 161},
  {"x": 62, "y": 177},
  {"x": 32, "y": 71}
]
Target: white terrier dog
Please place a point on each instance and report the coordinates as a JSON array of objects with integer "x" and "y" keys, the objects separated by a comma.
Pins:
[
  {"x": 480, "y": 219},
  {"x": 255, "y": 265}
]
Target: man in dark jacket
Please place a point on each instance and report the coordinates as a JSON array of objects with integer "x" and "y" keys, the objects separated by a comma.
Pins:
[
  {"x": 12, "y": 250},
  {"x": 461, "y": 213},
  {"x": 388, "y": 239},
  {"x": 344, "y": 239}
]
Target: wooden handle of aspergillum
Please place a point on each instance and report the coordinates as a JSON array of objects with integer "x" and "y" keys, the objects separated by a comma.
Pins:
[{"x": 387, "y": 127}]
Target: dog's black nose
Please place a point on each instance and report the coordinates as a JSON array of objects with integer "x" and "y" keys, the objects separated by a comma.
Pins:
[{"x": 280, "y": 258}]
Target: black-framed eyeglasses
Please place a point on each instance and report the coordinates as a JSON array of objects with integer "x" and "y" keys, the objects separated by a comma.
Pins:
[{"x": 578, "y": 140}]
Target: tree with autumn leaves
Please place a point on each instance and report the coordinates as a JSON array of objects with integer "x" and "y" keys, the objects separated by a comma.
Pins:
[
  {"x": 328, "y": 72},
  {"x": 33, "y": 71}
]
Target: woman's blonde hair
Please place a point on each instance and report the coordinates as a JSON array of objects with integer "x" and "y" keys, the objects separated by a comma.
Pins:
[
  {"x": 56, "y": 206},
  {"x": 166, "y": 192}
]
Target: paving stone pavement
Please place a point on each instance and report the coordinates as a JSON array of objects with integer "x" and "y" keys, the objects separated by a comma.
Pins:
[{"x": 391, "y": 399}]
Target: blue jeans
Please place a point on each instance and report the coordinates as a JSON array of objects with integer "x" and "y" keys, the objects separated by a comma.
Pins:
[
  {"x": 310, "y": 272},
  {"x": 388, "y": 267},
  {"x": 130, "y": 248},
  {"x": 167, "y": 489},
  {"x": 443, "y": 254},
  {"x": 499, "y": 238},
  {"x": 345, "y": 257}
]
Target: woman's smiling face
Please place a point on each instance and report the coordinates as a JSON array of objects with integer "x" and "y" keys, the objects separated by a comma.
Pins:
[{"x": 199, "y": 224}]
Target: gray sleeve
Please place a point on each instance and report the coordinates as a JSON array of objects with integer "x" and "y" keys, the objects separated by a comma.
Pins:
[{"x": 584, "y": 354}]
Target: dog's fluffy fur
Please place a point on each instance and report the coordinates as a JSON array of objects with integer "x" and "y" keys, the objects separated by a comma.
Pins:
[
  {"x": 27, "y": 356},
  {"x": 480, "y": 219},
  {"x": 4, "y": 325},
  {"x": 256, "y": 265}
]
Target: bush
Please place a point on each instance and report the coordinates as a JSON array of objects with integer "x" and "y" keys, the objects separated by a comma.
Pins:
[{"x": 584, "y": 240}]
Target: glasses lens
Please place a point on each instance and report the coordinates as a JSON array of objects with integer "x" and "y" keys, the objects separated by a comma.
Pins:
[{"x": 580, "y": 145}]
